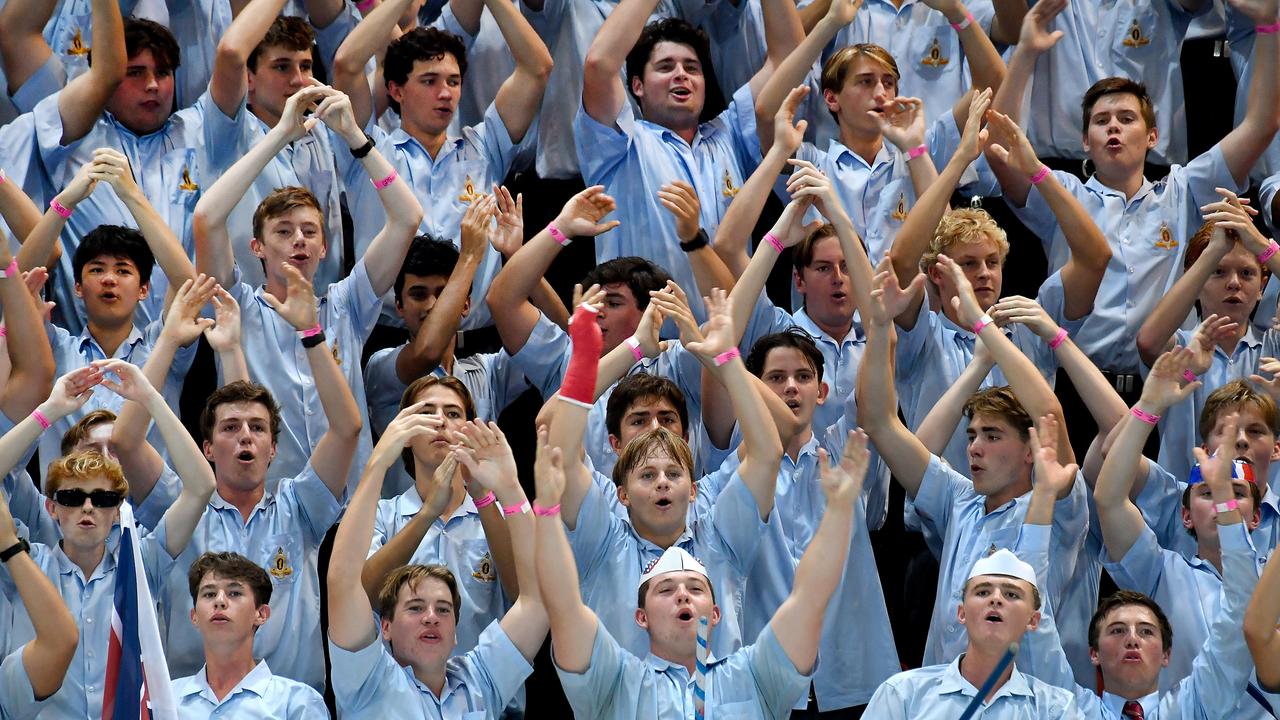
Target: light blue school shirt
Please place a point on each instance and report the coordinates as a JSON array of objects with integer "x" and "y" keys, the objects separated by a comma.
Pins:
[
  {"x": 757, "y": 681},
  {"x": 940, "y": 692},
  {"x": 370, "y": 683},
  {"x": 1189, "y": 591},
  {"x": 464, "y": 169},
  {"x": 17, "y": 698},
  {"x": 165, "y": 166},
  {"x": 545, "y": 356},
  {"x": 20, "y": 158},
  {"x": 1179, "y": 425},
  {"x": 307, "y": 162},
  {"x": 950, "y": 508},
  {"x": 489, "y": 377},
  {"x": 1138, "y": 39},
  {"x": 458, "y": 542},
  {"x": 91, "y": 601},
  {"x": 611, "y": 557},
  {"x": 283, "y": 536},
  {"x": 633, "y": 158},
  {"x": 347, "y": 311},
  {"x": 258, "y": 695},
  {"x": 935, "y": 351},
  {"x": 45, "y": 81},
  {"x": 1215, "y": 688},
  {"x": 1148, "y": 237}
]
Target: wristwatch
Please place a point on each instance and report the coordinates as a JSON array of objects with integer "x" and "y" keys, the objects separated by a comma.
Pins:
[
  {"x": 699, "y": 241},
  {"x": 364, "y": 149},
  {"x": 22, "y": 546}
]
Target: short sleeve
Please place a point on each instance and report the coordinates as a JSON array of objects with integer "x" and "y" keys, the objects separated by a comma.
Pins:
[
  {"x": 162, "y": 496},
  {"x": 1142, "y": 568},
  {"x": 17, "y": 698},
  {"x": 591, "y": 538},
  {"x": 738, "y": 527},
  {"x": 383, "y": 387},
  {"x": 937, "y": 494},
  {"x": 316, "y": 506},
  {"x": 740, "y": 119},
  {"x": 1160, "y": 503},
  {"x": 53, "y": 154},
  {"x": 496, "y": 670},
  {"x": 223, "y": 136},
  {"x": 360, "y": 678},
  {"x": 1052, "y": 297},
  {"x": 1036, "y": 215},
  {"x": 499, "y": 150},
  {"x": 592, "y": 691},
  {"x": 779, "y": 682},
  {"x": 355, "y": 296},
  {"x": 1200, "y": 176},
  {"x": 600, "y": 148},
  {"x": 544, "y": 356},
  {"x": 914, "y": 343}
]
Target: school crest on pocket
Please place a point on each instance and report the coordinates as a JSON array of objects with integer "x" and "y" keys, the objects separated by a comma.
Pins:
[
  {"x": 484, "y": 571},
  {"x": 935, "y": 58}
]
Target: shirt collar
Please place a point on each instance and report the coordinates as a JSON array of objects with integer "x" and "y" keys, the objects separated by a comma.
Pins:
[
  {"x": 804, "y": 322},
  {"x": 410, "y": 502},
  {"x": 844, "y": 155},
  {"x": 265, "y": 501},
  {"x": 402, "y": 139},
  {"x": 704, "y": 132},
  {"x": 1115, "y": 703},
  {"x": 105, "y": 566},
  {"x": 952, "y": 681},
  {"x": 86, "y": 342},
  {"x": 808, "y": 450},
  {"x": 1094, "y": 184},
  {"x": 256, "y": 682}
]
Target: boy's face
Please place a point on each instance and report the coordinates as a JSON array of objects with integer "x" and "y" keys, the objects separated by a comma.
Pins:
[
  {"x": 982, "y": 265},
  {"x": 672, "y": 88},
  {"x": 791, "y": 376},
  {"x": 111, "y": 289},
  {"x": 424, "y": 629},
  {"x": 998, "y": 456},
  {"x": 429, "y": 97},
  {"x": 1130, "y": 651},
  {"x": 673, "y": 602},
  {"x": 281, "y": 73},
  {"x": 144, "y": 100},
  {"x": 419, "y": 296},
  {"x": 1118, "y": 139},
  {"x": 645, "y": 414},
  {"x": 242, "y": 448},
  {"x": 432, "y": 447},
  {"x": 84, "y": 526},
  {"x": 619, "y": 315},
  {"x": 997, "y": 610},
  {"x": 1201, "y": 518},
  {"x": 226, "y": 607},
  {"x": 296, "y": 237},
  {"x": 1235, "y": 287},
  {"x": 869, "y": 87},
  {"x": 1254, "y": 440},
  {"x": 657, "y": 493},
  {"x": 824, "y": 283}
]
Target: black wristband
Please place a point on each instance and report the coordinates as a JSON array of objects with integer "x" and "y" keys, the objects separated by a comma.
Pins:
[
  {"x": 22, "y": 546},
  {"x": 312, "y": 341},
  {"x": 699, "y": 241},
  {"x": 364, "y": 149}
]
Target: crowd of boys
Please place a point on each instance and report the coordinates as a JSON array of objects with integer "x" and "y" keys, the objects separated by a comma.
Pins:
[{"x": 284, "y": 345}]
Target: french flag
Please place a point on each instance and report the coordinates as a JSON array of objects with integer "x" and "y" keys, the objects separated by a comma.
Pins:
[{"x": 137, "y": 684}]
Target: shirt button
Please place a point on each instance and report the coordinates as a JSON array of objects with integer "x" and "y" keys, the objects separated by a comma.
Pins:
[
  {"x": 1130, "y": 269},
  {"x": 89, "y": 620}
]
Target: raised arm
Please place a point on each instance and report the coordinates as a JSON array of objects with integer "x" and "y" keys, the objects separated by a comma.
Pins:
[
  {"x": 181, "y": 518},
  {"x": 574, "y": 400},
  {"x": 797, "y": 624},
  {"x": 520, "y": 95},
  {"x": 398, "y": 550},
  {"x": 1007, "y": 21},
  {"x": 332, "y": 454},
  {"x": 31, "y": 359},
  {"x": 18, "y": 211},
  {"x": 224, "y": 337},
  {"x": 113, "y": 168},
  {"x": 82, "y": 101},
  {"x": 507, "y": 237},
  {"x": 1156, "y": 335},
  {"x": 603, "y": 92},
  {"x": 939, "y": 426},
  {"x": 370, "y": 36},
  {"x": 985, "y": 65},
  {"x": 1242, "y": 147},
  {"x": 70, "y": 393},
  {"x": 808, "y": 183},
  {"x": 351, "y": 626},
  {"x": 709, "y": 271},
  {"x": 1090, "y": 252},
  {"x": 23, "y": 49},
  {"x": 230, "y": 83},
  {"x": 47, "y": 657},
  {"x": 40, "y": 245},
  {"x": 787, "y": 232},
  {"x": 573, "y": 625},
  {"x": 1262, "y": 626}
]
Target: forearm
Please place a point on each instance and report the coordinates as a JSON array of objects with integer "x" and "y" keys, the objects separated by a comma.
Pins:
[
  {"x": 370, "y": 36},
  {"x": 18, "y": 210},
  {"x": 533, "y": 60},
  {"x": 523, "y": 272},
  {"x": 350, "y": 625},
  {"x": 1087, "y": 243},
  {"x": 985, "y": 65},
  {"x": 1099, "y": 396},
  {"x": 761, "y": 445},
  {"x": 573, "y": 625},
  {"x": 168, "y": 252},
  {"x": 917, "y": 230},
  {"x": 234, "y": 367},
  {"x": 709, "y": 271},
  {"x": 734, "y": 232},
  {"x": 187, "y": 459},
  {"x": 790, "y": 73},
  {"x": 750, "y": 287},
  {"x": 498, "y": 534},
  {"x": 1121, "y": 464},
  {"x": 938, "y": 427},
  {"x": 783, "y": 29},
  {"x": 1040, "y": 509},
  {"x": 1024, "y": 377},
  {"x": 82, "y": 101},
  {"x": 567, "y": 427},
  {"x": 32, "y": 368},
  {"x": 613, "y": 367},
  {"x": 237, "y": 44},
  {"x": 335, "y": 393},
  {"x": 402, "y": 208},
  {"x": 616, "y": 37},
  {"x": 46, "y": 657},
  {"x": 1172, "y": 309},
  {"x": 812, "y": 13},
  {"x": 37, "y": 248},
  {"x": 15, "y": 443},
  {"x": 425, "y": 350},
  {"x": 861, "y": 274},
  {"x": 548, "y": 302},
  {"x": 397, "y": 551}
]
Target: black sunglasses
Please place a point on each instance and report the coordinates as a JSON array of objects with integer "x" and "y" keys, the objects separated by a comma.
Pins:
[{"x": 99, "y": 498}]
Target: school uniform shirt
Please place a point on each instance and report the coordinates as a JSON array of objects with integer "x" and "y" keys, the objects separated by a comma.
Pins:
[
  {"x": 90, "y": 601},
  {"x": 20, "y": 158},
  {"x": 282, "y": 535},
  {"x": 1138, "y": 39},
  {"x": 757, "y": 681},
  {"x": 17, "y": 698},
  {"x": 259, "y": 695},
  {"x": 632, "y": 158},
  {"x": 479, "y": 684},
  {"x": 611, "y": 557},
  {"x": 463, "y": 170},
  {"x": 1147, "y": 235},
  {"x": 166, "y": 167},
  {"x": 951, "y": 509},
  {"x": 490, "y": 378},
  {"x": 940, "y": 692},
  {"x": 1215, "y": 689},
  {"x": 347, "y": 312},
  {"x": 45, "y": 81}
]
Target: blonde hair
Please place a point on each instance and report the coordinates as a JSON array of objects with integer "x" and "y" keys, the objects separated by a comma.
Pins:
[
  {"x": 85, "y": 465},
  {"x": 643, "y": 445},
  {"x": 836, "y": 69},
  {"x": 964, "y": 225}
]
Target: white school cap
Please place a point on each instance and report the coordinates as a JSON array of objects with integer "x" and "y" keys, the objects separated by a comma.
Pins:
[
  {"x": 1004, "y": 562},
  {"x": 674, "y": 559}
]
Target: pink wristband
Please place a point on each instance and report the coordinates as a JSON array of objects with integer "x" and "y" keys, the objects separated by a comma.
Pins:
[
  {"x": 727, "y": 355},
  {"x": 1227, "y": 506},
  {"x": 380, "y": 184},
  {"x": 1270, "y": 252},
  {"x": 777, "y": 245},
  {"x": 1040, "y": 175},
  {"x": 556, "y": 234},
  {"x": 41, "y": 419},
  {"x": 4, "y": 331},
  {"x": 1058, "y": 339},
  {"x": 486, "y": 501},
  {"x": 312, "y": 331},
  {"x": 916, "y": 152},
  {"x": 11, "y": 270},
  {"x": 364, "y": 5},
  {"x": 546, "y": 511},
  {"x": 966, "y": 22},
  {"x": 1144, "y": 416},
  {"x": 1268, "y": 29},
  {"x": 634, "y": 344},
  {"x": 59, "y": 208},
  {"x": 3, "y": 177},
  {"x": 510, "y": 510},
  {"x": 983, "y": 321},
  {"x": 1189, "y": 376}
]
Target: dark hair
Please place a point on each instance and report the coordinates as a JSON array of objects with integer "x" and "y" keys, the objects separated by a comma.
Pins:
[
  {"x": 232, "y": 566},
  {"x": 289, "y": 32},
  {"x": 411, "y": 575},
  {"x": 425, "y": 44},
  {"x": 639, "y": 274},
  {"x": 1254, "y": 492},
  {"x": 1122, "y": 598},
  {"x": 1002, "y": 403},
  {"x": 416, "y": 388},
  {"x": 114, "y": 241},
  {"x": 644, "y": 590},
  {"x": 428, "y": 255},
  {"x": 642, "y": 386},
  {"x": 240, "y": 391},
  {"x": 78, "y": 432},
  {"x": 673, "y": 30},
  {"x": 792, "y": 337},
  {"x": 1113, "y": 86},
  {"x": 142, "y": 34}
]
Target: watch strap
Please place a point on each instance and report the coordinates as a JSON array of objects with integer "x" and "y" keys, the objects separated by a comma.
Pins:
[{"x": 22, "y": 546}]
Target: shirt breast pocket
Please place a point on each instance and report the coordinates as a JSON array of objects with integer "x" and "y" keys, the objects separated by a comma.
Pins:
[
  {"x": 281, "y": 556},
  {"x": 1136, "y": 37},
  {"x": 178, "y": 172},
  {"x": 744, "y": 709},
  {"x": 937, "y": 52}
]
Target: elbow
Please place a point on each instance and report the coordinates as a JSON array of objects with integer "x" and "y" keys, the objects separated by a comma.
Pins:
[
  {"x": 598, "y": 69},
  {"x": 1149, "y": 346},
  {"x": 541, "y": 66},
  {"x": 229, "y": 56},
  {"x": 347, "y": 63}
]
